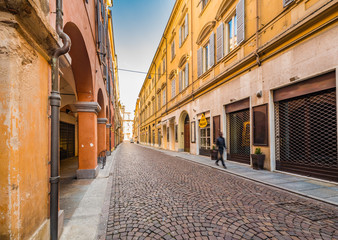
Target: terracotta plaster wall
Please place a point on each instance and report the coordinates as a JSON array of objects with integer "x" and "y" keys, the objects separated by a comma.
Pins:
[{"x": 24, "y": 142}]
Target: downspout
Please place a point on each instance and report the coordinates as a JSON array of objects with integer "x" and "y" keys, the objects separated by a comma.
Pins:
[
  {"x": 257, "y": 30},
  {"x": 166, "y": 75},
  {"x": 192, "y": 46},
  {"x": 55, "y": 103}
]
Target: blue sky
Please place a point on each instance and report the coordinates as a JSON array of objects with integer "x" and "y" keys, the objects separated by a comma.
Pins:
[{"x": 138, "y": 28}]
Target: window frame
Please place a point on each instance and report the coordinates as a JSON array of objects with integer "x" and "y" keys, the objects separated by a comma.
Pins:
[
  {"x": 260, "y": 108},
  {"x": 205, "y": 57}
]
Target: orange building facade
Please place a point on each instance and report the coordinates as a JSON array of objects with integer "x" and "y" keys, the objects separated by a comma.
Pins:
[
  {"x": 88, "y": 87},
  {"x": 262, "y": 72}
]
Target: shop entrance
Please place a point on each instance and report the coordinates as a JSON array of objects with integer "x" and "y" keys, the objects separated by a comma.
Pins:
[
  {"x": 306, "y": 135},
  {"x": 239, "y": 126}
]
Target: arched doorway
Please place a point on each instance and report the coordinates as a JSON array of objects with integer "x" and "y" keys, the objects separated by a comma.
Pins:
[
  {"x": 184, "y": 132},
  {"x": 85, "y": 106}
]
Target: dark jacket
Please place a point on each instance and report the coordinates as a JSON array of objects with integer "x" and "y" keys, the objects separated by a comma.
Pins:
[{"x": 220, "y": 143}]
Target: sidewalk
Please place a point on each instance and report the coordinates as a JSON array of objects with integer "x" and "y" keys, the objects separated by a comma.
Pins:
[
  {"x": 85, "y": 200},
  {"x": 309, "y": 187}
]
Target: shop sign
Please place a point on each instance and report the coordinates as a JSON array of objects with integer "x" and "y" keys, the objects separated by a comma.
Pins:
[{"x": 203, "y": 122}]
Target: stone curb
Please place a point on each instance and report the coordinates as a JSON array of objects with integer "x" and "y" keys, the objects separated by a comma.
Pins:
[{"x": 102, "y": 227}]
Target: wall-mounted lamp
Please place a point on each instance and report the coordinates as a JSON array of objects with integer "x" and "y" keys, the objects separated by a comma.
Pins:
[{"x": 259, "y": 94}]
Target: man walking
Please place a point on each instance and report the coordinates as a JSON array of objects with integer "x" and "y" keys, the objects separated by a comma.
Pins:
[{"x": 220, "y": 143}]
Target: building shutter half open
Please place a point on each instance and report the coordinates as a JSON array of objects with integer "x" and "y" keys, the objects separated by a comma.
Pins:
[
  {"x": 212, "y": 50},
  {"x": 186, "y": 75},
  {"x": 180, "y": 81},
  {"x": 199, "y": 62},
  {"x": 240, "y": 21},
  {"x": 220, "y": 41},
  {"x": 186, "y": 30}
]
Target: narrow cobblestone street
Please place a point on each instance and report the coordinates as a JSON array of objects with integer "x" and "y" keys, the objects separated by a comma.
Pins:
[{"x": 156, "y": 196}]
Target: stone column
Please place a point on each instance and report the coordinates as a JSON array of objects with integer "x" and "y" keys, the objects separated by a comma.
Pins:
[
  {"x": 101, "y": 128},
  {"x": 87, "y": 124}
]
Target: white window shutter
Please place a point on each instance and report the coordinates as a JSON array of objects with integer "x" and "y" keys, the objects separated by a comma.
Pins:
[
  {"x": 186, "y": 75},
  {"x": 180, "y": 82},
  {"x": 186, "y": 30},
  {"x": 173, "y": 88},
  {"x": 199, "y": 62},
  {"x": 220, "y": 42},
  {"x": 212, "y": 50},
  {"x": 180, "y": 37},
  {"x": 240, "y": 21}
]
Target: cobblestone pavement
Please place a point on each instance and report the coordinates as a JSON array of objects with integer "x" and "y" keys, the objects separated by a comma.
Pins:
[{"x": 156, "y": 196}]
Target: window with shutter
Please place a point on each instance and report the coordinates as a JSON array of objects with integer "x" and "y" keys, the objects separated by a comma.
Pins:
[
  {"x": 186, "y": 78},
  {"x": 159, "y": 71},
  {"x": 159, "y": 101},
  {"x": 212, "y": 50},
  {"x": 173, "y": 88},
  {"x": 153, "y": 106},
  {"x": 219, "y": 42},
  {"x": 205, "y": 58},
  {"x": 240, "y": 21},
  {"x": 98, "y": 18},
  {"x": 173, "y": 50},
  {"x": 180, "y": 37},
  {"x": 231, "y": 36},
  {"x": 186, "y": 29},
  {"x": 204, "y": 3},
  {"x": 199, "y": 62},
  {"x": 163, "y": 65},
  {"x": 287, "y": 2},
  {"x": 164, "y": 97},
  {"x": 180, "y": 82}
]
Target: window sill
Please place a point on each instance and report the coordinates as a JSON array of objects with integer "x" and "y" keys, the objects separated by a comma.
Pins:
[{"x": 206, "y": 72}]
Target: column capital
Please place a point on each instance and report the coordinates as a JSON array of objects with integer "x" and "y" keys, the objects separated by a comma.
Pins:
[
  {"x": 108, "y": 125},
  {"x": 102, "y": 120},
  {"x": 93, "y": 107}
]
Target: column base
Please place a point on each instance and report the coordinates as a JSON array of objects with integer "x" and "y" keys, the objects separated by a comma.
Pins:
[{"x": 87, "y": 173}]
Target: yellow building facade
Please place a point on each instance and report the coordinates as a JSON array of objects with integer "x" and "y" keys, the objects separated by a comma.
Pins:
[{"x": 262, "y": 72}]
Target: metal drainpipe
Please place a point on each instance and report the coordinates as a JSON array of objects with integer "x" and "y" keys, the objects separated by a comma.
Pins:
[
  {"x": 166, "y": 75},
  {"x": 257, "y": 31},
  {"x": 192, "y": 46},
  {"x": 55, "y": 103}
]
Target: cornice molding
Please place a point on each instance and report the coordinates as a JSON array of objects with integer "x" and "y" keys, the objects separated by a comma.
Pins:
[
  {"x": 183, "y": 59},
  {"x": 223, "y": 8},
  {"x": 172, "y": 73}
]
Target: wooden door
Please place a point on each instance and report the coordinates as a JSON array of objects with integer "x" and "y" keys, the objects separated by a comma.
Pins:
[
  {"x": 216, "y": 127},
  {"x": 187, "y": 137}
]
